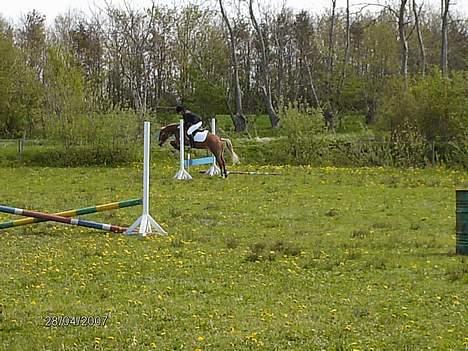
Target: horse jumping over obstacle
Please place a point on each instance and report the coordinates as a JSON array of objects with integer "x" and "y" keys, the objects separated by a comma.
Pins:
[{"x": 213, "y": 143}]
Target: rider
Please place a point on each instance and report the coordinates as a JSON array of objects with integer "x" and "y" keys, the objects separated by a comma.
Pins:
[{"x": 192, "y": 122}]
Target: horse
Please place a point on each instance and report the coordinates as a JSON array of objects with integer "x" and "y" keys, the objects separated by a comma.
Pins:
[{"x": 213, "y": 143}]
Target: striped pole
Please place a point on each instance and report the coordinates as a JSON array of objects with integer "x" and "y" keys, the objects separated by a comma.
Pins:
[
  {"x": 60, "y": 219},
  {"x": 73, "y": 213}
]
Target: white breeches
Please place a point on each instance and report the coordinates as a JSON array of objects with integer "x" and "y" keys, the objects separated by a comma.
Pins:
[{"x": 194, "y": 128}]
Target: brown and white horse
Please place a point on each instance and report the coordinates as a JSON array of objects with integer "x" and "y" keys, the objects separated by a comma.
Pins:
[{"x": 213, "y": 143}]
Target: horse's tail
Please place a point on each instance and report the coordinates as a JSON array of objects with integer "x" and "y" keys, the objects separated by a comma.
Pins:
[{"x": 228, "y": 144}]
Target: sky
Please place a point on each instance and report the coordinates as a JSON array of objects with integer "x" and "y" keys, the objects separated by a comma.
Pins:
[{"x": 13, "y": 9}]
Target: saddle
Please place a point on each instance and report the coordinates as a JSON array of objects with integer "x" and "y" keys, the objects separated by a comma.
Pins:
[{"x": 200, "y": 135}]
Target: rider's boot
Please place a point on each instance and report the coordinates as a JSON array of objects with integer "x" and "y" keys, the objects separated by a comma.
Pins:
[{"x": 191, "y": 141}]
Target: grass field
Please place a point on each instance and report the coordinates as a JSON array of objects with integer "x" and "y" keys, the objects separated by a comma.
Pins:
[{"x": 314, "y": 259}]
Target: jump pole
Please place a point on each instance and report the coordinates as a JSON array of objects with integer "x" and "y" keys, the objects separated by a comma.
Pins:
[
  {"x": 214, "y": 169},
  {"x": 145, "y": 223},
  {"x": 72, "y": 213},
  {"x": 60, "y": 219},
  {"x": 182, "y": 174}
]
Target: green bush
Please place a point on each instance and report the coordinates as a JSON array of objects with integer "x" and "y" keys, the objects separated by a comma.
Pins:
[
  {"x": 442, "y": 106},
  {"x": 262, "y": 151},
  {"x": 408, "y": 147},
  {"x": 80, "y": 156},
  {"x": 86, "y": 140},
  {"x": 113, "y": 129},
  {"x": 93, "y": 139},
  {"x": 304, "y": 132},
  {"x": 428, "y": 120},
  {"x": 308, "y": 144},
  {"x": 352, "y": 123}
]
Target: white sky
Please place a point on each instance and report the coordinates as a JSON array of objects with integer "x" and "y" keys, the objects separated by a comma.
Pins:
[{"x": 13, "y": 9}]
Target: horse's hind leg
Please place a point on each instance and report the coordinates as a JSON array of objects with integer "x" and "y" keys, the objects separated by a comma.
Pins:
[
  {"x": 224, "y": 166},
  {"x": 221, "y": 164}
]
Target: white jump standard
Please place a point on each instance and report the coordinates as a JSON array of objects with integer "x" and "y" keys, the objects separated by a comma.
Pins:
[
  {"x": 182, "y": 174},
  {"x": 146, "y": 224},
  {"x": 214, "y": 169}
]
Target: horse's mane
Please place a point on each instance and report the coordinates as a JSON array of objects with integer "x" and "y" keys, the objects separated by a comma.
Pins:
[{"x": 170, "y": 127}]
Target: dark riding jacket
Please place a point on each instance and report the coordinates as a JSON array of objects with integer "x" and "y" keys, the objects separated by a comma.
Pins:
[{"x": 190, "y": 119}]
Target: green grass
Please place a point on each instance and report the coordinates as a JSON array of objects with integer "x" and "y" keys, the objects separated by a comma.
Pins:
[{"x": 314, "y": 259}]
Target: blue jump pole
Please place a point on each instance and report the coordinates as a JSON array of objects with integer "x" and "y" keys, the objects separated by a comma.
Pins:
[{"x": 199, "y": 161}]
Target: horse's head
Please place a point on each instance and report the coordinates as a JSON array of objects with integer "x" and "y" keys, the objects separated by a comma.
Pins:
[
  {"x": 163, "y": 136},
  {"x": 166, "y": 132}
]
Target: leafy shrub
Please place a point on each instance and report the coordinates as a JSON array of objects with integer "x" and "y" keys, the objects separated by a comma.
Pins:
[
  {"x": 304, "y": 133},
  {"x": 114, "y": 129},
  {"x": 81, "y": 156},
  {"x": 262, "y": 151},
  {"x": 406, "y": 146},
  {"x": 95, "y": 139},
  {"x": 429, "y": 117},
  {"x": 86, "y": 140},
  {"x": 352, "y": 123},
  {"x": 442, "y": 106}
]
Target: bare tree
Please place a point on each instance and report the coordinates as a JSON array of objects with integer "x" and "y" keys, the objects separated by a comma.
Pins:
[
  {"x": 239, "y": 118},
  {"x": 331, "y": 47},
  {"x": 302, "y": 55},
  {"x": 402, "y": 23},
  {"x": 445, "y": 4},
  {"x": 264, "y": 65},
  {"x": 313, "y": 91},
  {"x": 403, "y": 39},
  {"x": 422, "y": 50},
  {"x": 281, "y": 36},
  {"x": 32, "y": 40},
  {"x": 329, "y": 108},
  {"x": 128, "y": 45},
  {"x": 161, "y": 63},
  {"x": 348, "y": 40},
  {"x": 347, "y": 48}
]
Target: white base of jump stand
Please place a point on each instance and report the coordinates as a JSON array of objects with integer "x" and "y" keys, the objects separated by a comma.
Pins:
[
  {"x": 146, "y": 225},
  {"x": 213, "y": 170},
  {"x": 182, "y": 174}
]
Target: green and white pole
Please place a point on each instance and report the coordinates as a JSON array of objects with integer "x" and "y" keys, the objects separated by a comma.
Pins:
[
  {"x": 61, "y": 219},
  {"x": 72, "y": 213}
]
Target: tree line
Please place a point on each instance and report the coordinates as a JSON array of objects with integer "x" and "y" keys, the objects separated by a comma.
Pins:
[{"x": 234, "y": 58}]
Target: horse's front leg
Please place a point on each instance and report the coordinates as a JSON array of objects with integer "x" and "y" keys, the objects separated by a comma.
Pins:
[
  {"x": 175, "y": 149},
  {"x": 175, "y": 144}
]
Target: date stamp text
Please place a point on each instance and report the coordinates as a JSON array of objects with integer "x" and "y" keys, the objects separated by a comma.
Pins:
[{"x": 55, "y": 321}]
